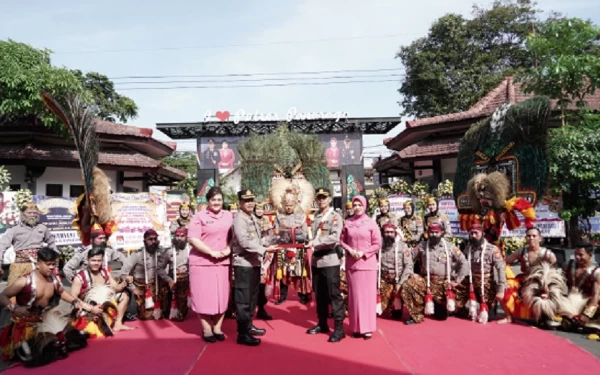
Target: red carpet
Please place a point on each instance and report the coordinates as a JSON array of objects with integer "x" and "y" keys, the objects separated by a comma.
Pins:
[
  {"x": 155, "y": 347},
  {"x": 451, "y": 347}
]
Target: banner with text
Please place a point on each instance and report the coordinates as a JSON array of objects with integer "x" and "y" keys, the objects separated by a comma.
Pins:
[
  {"x": 551, "y": 225},
  {"x": 57, "y": 214},
  {"x": 135, "y": 214}
]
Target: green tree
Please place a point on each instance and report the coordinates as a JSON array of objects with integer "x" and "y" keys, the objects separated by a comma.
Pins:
[
  {"x": 568, "y": 62},
  {"x": 187, "y": 162},
  {"x": 111, "y": 105},
  {"x": 568, "y": 69},
  {"x": 574, "y": 153},
  {"x": 26, "y": 71},
  {"x": 461, "y": 59}
]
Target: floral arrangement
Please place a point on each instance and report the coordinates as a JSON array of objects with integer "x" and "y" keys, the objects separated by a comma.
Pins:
[
  {"x": 444, "y": 189},
  {"x": 66, "y": 253},
  {"x": 512, "y": 244},
  {"x": 23, "y": 197},
  {"x": 4, "y": 178}
]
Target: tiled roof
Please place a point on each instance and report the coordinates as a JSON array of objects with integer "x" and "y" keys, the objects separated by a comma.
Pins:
[
  {"x": 507, "y": 91},
  {"x": 114, "y": 128},
  {"x": 58, "y": 154},
  {"x": 431, "y": 148}
]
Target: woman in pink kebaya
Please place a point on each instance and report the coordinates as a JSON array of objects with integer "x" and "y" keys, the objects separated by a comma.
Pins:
[{"x": 361, "y": 238}]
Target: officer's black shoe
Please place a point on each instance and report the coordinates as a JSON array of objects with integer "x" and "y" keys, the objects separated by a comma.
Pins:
[
  {"x": 248, "y": 340},
  {"x": 263, "y": 315},
  {"x": 281, "y": 300},
  {"x": 318, "y": 329},
  {"x": 257, "y": 331},
  {"x": 338, "y": 333},
  {"x": 303, "y": 298}
]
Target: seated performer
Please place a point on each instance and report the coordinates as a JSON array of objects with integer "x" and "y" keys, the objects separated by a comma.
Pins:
[
  {"x": 26, "y": 238},
  {"x": 479, "y": 292},
  {"x": 95, "y": 274},
  {"x": 178, "y": 278},
  {"x": 293, "y": 261},
  {"x": 583, "y": 281},
  {"x": 141, "y": 274},
  {"x": 396, "y": 265},
  {"x": 79, "y": 260},
  {"x": 531, "y": 255},
  {"x": 35, "y": 293},
  {"x": 431, "y": 293}
]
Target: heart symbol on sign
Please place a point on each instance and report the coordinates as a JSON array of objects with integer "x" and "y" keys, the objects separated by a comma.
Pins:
[{"x": 223, "y": 116}]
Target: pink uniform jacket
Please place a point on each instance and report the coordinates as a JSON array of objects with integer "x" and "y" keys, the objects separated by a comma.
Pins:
[
  {"x": 215, "y": 231},
  {"x": 361, "y": 234}
]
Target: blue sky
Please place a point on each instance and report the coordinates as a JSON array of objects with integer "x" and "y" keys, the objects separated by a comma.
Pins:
[{"x": 132, "y": 37}]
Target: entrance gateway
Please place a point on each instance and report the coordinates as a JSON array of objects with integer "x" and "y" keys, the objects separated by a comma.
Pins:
[{"x": 218, "y": 135}]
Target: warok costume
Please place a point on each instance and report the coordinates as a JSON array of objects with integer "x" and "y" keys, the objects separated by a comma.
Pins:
[
  {"x": 44, "y": 335},
  {"x": 478, "y": 293},
  {"x": 421, "y": 293},
  {"x": 152, "y": 296},
  {"x": 26, "y": 238},
  {"x": 291, "y": 234},
  {"x": 79, "y": 261},
  {"x": 582, "y": 299},
  {"x": 395, "y": 267},
  {"x": 177, "y": 261}
]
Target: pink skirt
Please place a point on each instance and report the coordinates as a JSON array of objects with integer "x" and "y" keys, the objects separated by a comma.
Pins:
[
  {"x": 362, "y": 300},
  {"x": 209, "y": 289}
]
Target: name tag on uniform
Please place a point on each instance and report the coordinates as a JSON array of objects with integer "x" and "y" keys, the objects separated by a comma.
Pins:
[{"x": 209, "y": 222}]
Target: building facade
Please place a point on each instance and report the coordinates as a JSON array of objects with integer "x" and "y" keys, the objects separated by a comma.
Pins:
[{"x": 47, "y": 164}]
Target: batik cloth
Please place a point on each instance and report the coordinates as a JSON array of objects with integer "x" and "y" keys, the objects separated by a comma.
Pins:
[
  {"x": 162, "y": 298},
  {"x": 414, "y": 291}
]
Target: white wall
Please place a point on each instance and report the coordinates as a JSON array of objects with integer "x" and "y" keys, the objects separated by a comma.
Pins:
[{"x": 67, "y": 177}]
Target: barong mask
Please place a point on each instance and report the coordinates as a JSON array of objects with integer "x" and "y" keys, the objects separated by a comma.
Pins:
[
  {"x": 54, "y": 339},
  {"x": 488, "y": 191},
  {"x": 544, "y": 290}
]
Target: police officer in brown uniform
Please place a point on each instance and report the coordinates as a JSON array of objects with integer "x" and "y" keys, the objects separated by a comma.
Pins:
[
  {"x": 326, "y": 230},
  {"x": 248, "y": 253}
]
